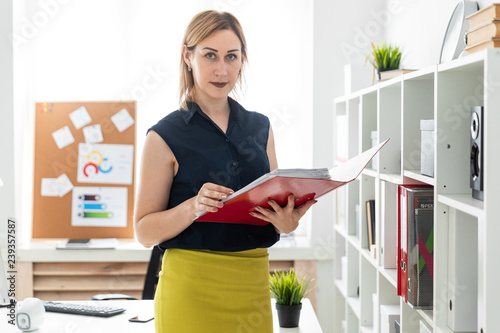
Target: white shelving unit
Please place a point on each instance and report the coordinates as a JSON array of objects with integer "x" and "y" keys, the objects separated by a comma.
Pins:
[{"x": 466, "y": 230}]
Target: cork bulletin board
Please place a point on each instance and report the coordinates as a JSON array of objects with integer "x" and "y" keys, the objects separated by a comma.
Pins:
[{"x": 84, "y": 169}]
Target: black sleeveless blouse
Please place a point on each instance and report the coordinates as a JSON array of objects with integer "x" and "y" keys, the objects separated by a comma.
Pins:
[{"x": 232, "y": 159}]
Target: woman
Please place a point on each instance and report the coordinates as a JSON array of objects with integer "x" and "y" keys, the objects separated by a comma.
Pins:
[{"x": 214, "y": 275}]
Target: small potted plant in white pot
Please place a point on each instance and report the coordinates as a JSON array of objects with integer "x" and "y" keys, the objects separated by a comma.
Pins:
[{"x": 289, "y": 290}]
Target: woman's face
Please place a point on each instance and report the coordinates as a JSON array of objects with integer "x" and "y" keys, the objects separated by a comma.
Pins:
[{"x": 216, "y": 63}]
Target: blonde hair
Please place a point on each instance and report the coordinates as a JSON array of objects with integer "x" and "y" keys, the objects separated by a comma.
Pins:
[{"x": 202, "y": 26}]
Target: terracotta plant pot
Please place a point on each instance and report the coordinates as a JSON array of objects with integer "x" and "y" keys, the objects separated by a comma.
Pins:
[{"x": 289, "y": 315}]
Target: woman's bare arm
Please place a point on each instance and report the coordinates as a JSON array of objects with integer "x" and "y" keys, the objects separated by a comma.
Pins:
[{"x": 153, "y": 223}]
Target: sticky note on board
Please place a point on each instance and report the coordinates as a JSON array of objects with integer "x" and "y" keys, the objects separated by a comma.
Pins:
[
  {"x": 64, "y": 185},
  {"x": 63, "y": 137},
  {"x": 122, "y": 120},
  {"x": 56, "y": 187},
  {"x": 93, "y": 134},
  {"x": 80, "y": 117},
  {"x": 49, "y": 187}
]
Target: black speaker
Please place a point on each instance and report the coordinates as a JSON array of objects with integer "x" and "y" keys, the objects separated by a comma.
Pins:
[{"x": 476, "y": 152}]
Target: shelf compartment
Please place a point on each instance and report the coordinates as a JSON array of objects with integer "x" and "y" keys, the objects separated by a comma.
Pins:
[
  {"x": 462, "y": 271},
  {"x": 368, "y": 257},
  {"x": 425, "y": 74},
  {"x": 368, "y": 124},
  {"x": 346, "y": 128},
  {"x": 368, "y": 287},
  {"x": 367, "y": 192},
  {"x": 388, "y": 225},
  {"x": 341, "y": 287},
  {"x": 458, "y": 89},
  {"x": 387, "y": 287},
  {"x": 352, "y": 271},
  {"x": 353, "y": 110},
  {"x": 386, "y": 296},
  {"x": 393, "y": 178},
  {"x": 340, "y": 230},
  {"x": 352, "y": 317},
  {"x": 340, "y": 309},
  {"x": 463, "y": 202},
  {"x": 443, "y": 329},
  {"x": 366, "y": 329},
  {"x": 416, "y": 175},
  {"x": 370, "y": 172},
  {"x": 389, "y": 106},
  {"x": 341, "y": 210},
  {"x": 340, "y": 252},
  {"x": 391, "y": 275},
  {"x": 410, "y": 319},
  {"x": 354, "y": 305},
  {"x": 340, "y": 130},
  {"x": 471, "y": 62},
  {"x": 354, "y": 242},
  {"x": 418, "y": 104},
  {"x": 352, "y": 217},
  {"x": 427, "y": 316}
]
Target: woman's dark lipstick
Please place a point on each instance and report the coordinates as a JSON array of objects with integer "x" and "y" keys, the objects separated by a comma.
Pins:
[{"x": 219, "y": 84}]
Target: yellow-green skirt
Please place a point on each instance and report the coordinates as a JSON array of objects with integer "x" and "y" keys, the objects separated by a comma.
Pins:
[{"x": 219, "y": 292}]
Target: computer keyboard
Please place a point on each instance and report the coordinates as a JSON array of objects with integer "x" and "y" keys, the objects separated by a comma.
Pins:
[{"x": 82, "y": 309}]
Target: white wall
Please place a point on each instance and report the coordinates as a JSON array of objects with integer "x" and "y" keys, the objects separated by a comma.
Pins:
[
  {"x": 7, "y": 191},
  {"x": 336, "y": 25},
  {"x": 339, "y": 30},
  {"x": 420, "y": 27},
  {"x": 122, "y": 50}
]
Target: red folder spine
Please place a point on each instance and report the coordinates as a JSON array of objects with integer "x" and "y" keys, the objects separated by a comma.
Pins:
[
  {"x": 398, "y": 252},
  {"x": 403, "y": 242},
  {"x": 404, "y": 214}
]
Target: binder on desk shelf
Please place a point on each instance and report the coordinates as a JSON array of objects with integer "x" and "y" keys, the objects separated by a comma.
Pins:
[
  {"x": 415, "y": 256},
  {"x": 277, "y": 185}
]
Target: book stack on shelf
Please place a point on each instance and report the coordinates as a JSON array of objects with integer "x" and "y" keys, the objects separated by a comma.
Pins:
[
  {"x": 484, "y": 29},
  {"x": 389, "y": 74}
]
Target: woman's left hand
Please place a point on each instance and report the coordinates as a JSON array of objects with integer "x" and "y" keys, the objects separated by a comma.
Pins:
[{"x": 285, "y": 219}]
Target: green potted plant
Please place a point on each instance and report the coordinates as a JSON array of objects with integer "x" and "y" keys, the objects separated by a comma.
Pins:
[
  {"x": 384, "y": 57},
  {"x": 289, "y": 290}
]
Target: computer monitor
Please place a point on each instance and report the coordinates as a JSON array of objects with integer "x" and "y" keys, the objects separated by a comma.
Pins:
[{"x": 4, "y": 290}]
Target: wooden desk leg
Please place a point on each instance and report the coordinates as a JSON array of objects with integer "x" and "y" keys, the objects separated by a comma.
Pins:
[{"x": 24, "y": 282}]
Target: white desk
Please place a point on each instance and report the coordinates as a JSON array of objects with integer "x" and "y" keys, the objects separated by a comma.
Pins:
[
  {"x": 129, "y": 250},
  {"x": 64, "y": 323}
]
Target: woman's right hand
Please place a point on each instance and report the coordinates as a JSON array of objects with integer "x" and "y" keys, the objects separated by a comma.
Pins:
[{"x": 209, "y": 197}]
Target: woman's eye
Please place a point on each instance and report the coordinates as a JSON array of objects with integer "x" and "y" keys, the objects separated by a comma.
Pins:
[
  {"x": 210, "y": 56},
  {"x": 231, "y": 56}
]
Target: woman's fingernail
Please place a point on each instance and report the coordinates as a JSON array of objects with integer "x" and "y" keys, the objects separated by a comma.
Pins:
[
  {"x": 224, "y": 196},
  {"x": 251, "y": 213},
  {"x": 257, "y": 208}
]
